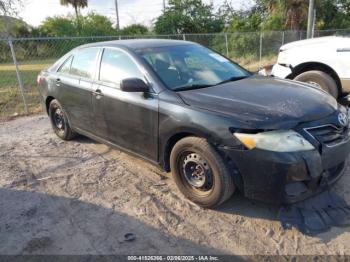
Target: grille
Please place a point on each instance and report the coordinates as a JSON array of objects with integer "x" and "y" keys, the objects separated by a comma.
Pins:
[{"x": 329, "y": 135}]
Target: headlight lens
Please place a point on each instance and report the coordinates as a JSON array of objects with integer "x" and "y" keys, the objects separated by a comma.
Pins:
[{"x": 279, "y": 141}]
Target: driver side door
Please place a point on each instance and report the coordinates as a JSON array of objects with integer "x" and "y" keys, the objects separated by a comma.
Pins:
[{"x": 127, "y": 119}]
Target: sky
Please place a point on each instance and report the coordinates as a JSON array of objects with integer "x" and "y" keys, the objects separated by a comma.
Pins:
[{"x": 144, "y": 12}]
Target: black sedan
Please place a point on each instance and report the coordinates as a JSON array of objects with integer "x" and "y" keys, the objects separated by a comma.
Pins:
[{"x": 213, "y": 124}]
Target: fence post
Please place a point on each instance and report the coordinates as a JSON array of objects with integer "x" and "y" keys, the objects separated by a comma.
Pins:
[
  {"x": 226, "y": 40},
  {"x": 283, "y": 37},
  {"x": 184, "y": 37},
  {"x": 18, "y": 75},
  {"x": 260, "y": 52}
]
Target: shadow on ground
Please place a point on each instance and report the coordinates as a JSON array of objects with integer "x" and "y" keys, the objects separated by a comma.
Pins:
[
  {"x": 36, "y": 223},
  {"x": 312, "y": 216}
]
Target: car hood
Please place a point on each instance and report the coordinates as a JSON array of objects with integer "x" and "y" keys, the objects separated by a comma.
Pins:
[
  {"x": 263, "y": 103},
  {"x": 331, "y": 41}
]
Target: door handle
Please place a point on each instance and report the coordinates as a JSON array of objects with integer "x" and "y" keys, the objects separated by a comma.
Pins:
[
  {"x": 58, "y": 82},
  {"x": 97, "y": 93}
]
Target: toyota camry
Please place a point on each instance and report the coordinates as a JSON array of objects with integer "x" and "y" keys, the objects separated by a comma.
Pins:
[{"x": 216, "y": 126}]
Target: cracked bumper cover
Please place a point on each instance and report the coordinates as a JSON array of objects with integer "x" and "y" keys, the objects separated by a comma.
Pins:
[
  {"x": 276, "y": 177},
  {"x": 281, "y": 71}
]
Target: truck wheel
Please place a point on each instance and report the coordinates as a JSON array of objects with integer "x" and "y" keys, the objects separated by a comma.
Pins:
[
  {"x": 322, "y": 79},
  {"x": 200, "y": 173},
  {"x": 59, "y": 121}
]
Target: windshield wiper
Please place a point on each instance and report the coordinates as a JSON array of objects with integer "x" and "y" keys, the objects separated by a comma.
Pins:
[
  {"x": 191, "y": 87},
  {"x": 232, "y": 79},
  {"x": 198, "y": 86}
]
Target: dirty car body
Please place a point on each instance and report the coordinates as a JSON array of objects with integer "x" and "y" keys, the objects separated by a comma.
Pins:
[{"x": 282, "y": 141}]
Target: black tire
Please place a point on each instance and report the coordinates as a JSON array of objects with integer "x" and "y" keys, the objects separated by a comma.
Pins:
[
  {"x": 218, "y": 183},
  {"x": 324, "y": 80},
  {"x": 59, "y": 121}
]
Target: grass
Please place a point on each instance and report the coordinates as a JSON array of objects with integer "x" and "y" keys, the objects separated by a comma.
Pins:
[
  {"x": 253, "y": 64},
  {"x": 11, "y": 102}
]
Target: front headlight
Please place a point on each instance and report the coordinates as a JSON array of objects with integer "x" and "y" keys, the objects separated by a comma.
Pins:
[{"x": 279, "y": 141}]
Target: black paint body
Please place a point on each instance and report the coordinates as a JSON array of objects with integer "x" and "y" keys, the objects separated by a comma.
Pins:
[{"x": 149, "y": 124}]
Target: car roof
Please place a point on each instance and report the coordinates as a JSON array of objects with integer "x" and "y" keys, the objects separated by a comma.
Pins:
[{"x": 135, "y": 44}]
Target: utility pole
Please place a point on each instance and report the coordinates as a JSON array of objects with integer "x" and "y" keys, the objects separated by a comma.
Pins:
[
  {"x": 313, "y": 24},
  {"x": 310, "y": 18},
  {"x": 164, "y": 6},
  {"x": 117, "y": 13}
]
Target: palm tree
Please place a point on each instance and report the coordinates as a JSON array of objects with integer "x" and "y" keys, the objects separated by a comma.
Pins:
[
  {"x": 77, "y": 4},
  {"x": 296, "y": 11}
]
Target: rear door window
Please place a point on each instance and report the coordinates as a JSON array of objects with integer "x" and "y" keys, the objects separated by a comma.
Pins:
[
  {"x": 65, "y": 67},
  {"x": 84, "y": 63}
]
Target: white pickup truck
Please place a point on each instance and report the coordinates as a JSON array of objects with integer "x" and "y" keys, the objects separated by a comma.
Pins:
[{"x": 323, "y": 61}]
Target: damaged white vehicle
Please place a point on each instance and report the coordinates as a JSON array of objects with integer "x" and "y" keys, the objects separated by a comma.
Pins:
[{"x": 324, "y": 62}]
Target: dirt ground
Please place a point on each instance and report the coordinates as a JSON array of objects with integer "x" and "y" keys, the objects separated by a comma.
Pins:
[{"x": 82, "y": 197}]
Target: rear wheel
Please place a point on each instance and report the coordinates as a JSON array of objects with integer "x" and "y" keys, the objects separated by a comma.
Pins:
[
  {"x": 200, "y": 173},
  {"x": 321, "y": 79},
  {"x": 59, "y": 121}
]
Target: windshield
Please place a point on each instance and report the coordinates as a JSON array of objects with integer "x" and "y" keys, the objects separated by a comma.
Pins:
[{"x": 185, "y": 67}]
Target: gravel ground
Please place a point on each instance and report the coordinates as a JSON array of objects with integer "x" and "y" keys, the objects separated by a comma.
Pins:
[{"x": 82, "y": 197}]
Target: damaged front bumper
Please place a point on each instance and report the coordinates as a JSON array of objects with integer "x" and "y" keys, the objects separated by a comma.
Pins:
[
  {"x": 276, "y": 177},
  {"x": 281, "y": 71}
]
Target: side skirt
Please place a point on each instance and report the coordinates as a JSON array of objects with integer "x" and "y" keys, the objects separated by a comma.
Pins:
[{"x": 108, "y": 143}]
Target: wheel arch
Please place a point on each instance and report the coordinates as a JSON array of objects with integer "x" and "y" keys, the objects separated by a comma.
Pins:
[
  {"x": 170, "y": 143},
  {"x": 309, "y": 66},
  {"x": 47, "y": 103}
]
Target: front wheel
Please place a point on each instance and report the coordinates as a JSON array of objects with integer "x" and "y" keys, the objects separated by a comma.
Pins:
[
  {"x": 59, "y": 121},
  {"x": 200, "y": 172},
  {"x": 321, "y": 79}
]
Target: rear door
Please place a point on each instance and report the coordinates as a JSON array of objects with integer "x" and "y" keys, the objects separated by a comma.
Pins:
[
  {"x": 75, "y": 79},
  {"x": 129, "y": 120}
]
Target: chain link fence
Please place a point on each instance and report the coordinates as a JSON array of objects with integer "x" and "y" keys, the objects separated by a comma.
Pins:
[{"x": 18, "y": 92}]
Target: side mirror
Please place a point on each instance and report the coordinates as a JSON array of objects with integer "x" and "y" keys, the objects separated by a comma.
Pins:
[{"x": 134, "y": 85}]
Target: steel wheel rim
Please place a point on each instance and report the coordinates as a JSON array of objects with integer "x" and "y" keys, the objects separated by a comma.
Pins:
[
  {"x": 196, "y": 172},
  {"x": 315, "y": 84},
  {"x": 58, "y": 119}
]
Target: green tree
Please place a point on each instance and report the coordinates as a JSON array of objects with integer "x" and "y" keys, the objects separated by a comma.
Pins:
[
  {"x": 283, "y": 14},
  {"x": 58, "y": 26},
  {"x": 91, "y": 25},
  {"x": 333, "y": 14},
  {"x": 135, "y": 29},
  {"x": 292, "y": 14},
  {"x": 77, "y": 4},
  {"x": 14, "y": 27},
  {"x": 96, "y": 25},
  {"x": 188, "y": 16}
]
